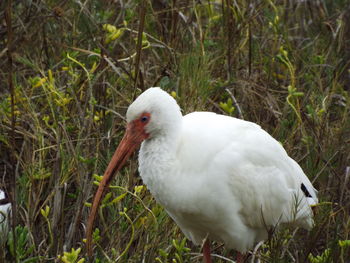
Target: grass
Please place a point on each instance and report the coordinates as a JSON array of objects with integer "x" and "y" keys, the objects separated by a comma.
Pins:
[{"x": 70, "y": 69}]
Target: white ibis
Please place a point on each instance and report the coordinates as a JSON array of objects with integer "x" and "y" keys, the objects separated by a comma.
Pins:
[
  {"x": 5, "y": 208},
  {"x": 218, "y": 177}
]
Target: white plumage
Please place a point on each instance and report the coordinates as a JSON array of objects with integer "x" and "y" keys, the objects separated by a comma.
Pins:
[
  {"x": 218, "y": 177},
  {"x": 4, "y": 214}
]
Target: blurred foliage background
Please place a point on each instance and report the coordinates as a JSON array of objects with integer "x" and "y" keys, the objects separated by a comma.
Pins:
[{"x": 69, "y": 70}]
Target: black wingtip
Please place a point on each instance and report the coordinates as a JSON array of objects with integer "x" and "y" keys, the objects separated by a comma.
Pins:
[{"x": 305, "y": 191}]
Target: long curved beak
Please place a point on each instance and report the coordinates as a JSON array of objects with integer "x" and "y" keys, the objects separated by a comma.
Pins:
[{"x": 130, "y": 142}]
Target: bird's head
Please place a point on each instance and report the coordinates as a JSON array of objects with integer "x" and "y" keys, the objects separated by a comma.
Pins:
[{"x": 154, "y": 113}]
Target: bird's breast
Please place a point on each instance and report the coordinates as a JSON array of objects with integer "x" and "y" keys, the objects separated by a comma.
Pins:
[
  {"x": 171, "y": 184},
  {"x": 156, "y": 169}
]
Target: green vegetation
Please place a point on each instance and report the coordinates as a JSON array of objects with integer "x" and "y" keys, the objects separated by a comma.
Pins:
[{"x": 69, "y": 69}]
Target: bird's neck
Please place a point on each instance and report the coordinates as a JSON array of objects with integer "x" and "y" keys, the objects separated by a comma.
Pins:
[
  {"x": 163, "y": 143},
  {"x": 157, "y": 158}
]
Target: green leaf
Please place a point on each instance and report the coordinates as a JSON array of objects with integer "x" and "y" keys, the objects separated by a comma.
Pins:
[
  {"x": 45, "y": 213},
  {"x": 119, "y": 198},
  {"x": 344, "y": 243}
]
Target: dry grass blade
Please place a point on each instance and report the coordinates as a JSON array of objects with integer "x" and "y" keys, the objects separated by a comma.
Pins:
[{"x": 138, "y": 73}]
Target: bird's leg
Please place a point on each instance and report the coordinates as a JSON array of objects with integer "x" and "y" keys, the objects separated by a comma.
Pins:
[
  {"x": 240, "y": 258},
  {"x": 206, "y": 251}
]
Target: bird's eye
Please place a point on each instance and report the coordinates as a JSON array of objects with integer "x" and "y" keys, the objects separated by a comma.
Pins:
[{"x": 144, "y": 119}]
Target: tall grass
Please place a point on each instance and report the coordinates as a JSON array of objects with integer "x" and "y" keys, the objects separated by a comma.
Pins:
[{"x": 69, "y": 69}]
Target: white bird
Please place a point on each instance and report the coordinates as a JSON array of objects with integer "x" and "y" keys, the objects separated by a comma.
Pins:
[
  {"x": 5, "y": 208},
  {"x": 219, "y": 178}
]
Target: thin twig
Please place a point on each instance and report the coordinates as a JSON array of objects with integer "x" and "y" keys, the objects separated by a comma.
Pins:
[
  {"x": 199, "y": 255},
  {"x": 139, "y": 46},
  {"x": 256, "y": 250},
  {"x": 240, "y": 114},
  {"x": 110, "y": 110}
]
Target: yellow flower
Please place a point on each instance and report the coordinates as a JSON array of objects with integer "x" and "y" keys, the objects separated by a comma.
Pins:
[
  {"x": 39, "y": 83},
  {"x": 173, "y": 94},
  {"x": 138, "y": 189}
]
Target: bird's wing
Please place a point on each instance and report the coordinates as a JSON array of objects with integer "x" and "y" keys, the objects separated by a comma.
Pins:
[{"x": 269, "y": 186}]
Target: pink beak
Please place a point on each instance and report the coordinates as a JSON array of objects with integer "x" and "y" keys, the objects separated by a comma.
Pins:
[{"x": 131, "y": 141}]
